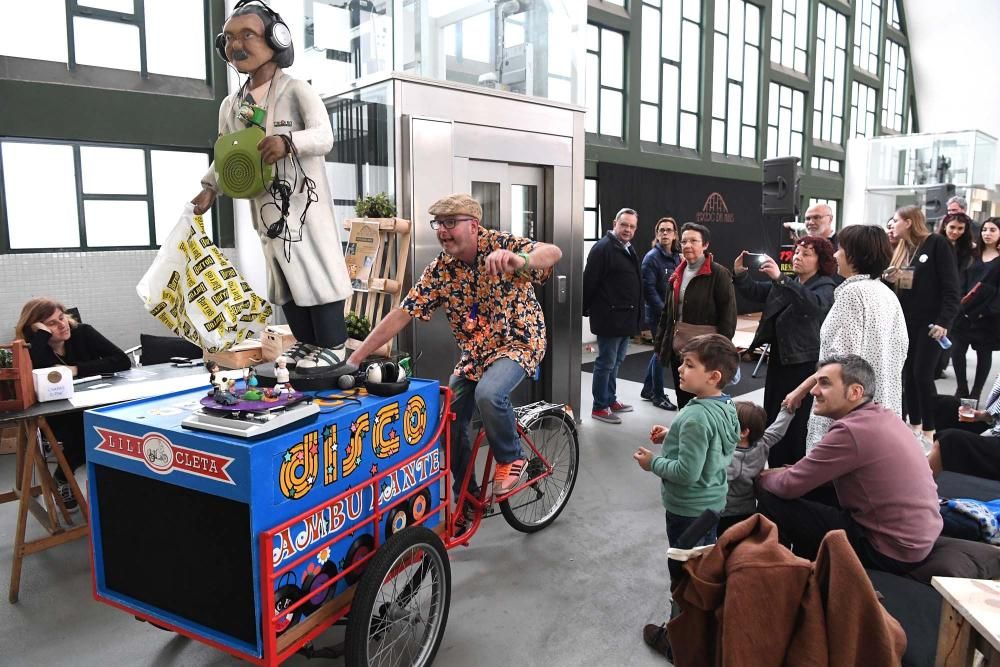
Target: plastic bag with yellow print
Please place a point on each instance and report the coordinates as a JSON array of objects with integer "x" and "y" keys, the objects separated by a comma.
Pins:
[{"x": 194, "y": 291}]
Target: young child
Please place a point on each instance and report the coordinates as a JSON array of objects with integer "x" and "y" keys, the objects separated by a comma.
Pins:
[
  {"x": 749, "y": 459},
  {"x": 699, "y": 446}
]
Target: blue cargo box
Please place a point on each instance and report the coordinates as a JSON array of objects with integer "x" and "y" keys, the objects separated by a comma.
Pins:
[{"x": 178, "y": 514}]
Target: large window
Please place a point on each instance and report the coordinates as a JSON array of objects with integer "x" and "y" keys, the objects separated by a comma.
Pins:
[
  {"x": 735, "y": 75},
  {"x": 863, "y": 110},
  {"x": 591, "y": 211},
  {"x": 605, "y": 82},
  {"x": 94, "y": 196},
  {"x": 825, "y": 164},
  {"x": 894, "y": 15},
  {"x": 790, "y": 33},
  {"x": 785, "y": 121},
  {"x": 894, "y": 86},
  {"x": 867, "y": 34},
  {"x": 110, "y": 33},
  {"x": 830, "y": 79},
  {"x": 669, "y": 112}
]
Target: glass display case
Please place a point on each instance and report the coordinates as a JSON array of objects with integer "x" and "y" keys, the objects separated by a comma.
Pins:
[
  {"x": 915, "y": 161},
  {"x": 884, "y": 173}
]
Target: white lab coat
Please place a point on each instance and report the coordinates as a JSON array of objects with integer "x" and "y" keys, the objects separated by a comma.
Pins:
[{"x": 315, "y": 274}]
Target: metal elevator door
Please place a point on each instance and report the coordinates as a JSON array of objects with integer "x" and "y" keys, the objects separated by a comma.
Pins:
[{"x": 513, "y": 200}]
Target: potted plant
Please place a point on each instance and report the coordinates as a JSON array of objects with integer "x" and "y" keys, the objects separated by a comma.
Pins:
[
  {"x": 375, "y": 206},
  {"x": 358, "y": 326}
]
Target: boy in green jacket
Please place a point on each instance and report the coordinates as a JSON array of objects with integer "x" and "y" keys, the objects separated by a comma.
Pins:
[{"x": 699, "y": 446}]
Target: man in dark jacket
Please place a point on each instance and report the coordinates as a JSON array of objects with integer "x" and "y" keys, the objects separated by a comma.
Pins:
[{"x": 612, "y": 299}]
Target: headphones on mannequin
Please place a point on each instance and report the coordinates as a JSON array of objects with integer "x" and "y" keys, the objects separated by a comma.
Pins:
[{"x": 276, "y": 34}]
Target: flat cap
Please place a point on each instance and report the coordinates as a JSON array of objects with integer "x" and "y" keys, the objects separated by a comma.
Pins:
[{"x": 457, "y": 204}]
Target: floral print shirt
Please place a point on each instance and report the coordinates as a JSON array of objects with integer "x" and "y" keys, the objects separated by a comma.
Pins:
[{"x": 490, "y": 316}]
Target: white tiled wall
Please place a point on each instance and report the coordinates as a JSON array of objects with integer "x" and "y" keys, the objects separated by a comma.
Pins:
[{"x": 100, "y": 284}]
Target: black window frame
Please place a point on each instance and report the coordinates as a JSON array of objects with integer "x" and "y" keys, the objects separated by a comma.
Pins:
[{"x": 81, "y": 198}]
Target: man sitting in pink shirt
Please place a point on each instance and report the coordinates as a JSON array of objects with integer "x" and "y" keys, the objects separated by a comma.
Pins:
[{"x": 888, "y": 497}]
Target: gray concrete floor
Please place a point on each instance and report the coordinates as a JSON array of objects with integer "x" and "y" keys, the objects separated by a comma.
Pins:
[{"x": 576, "y": 593}]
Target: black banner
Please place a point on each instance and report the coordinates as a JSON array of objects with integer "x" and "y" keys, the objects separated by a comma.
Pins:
[{"x": 729, "y": 208}]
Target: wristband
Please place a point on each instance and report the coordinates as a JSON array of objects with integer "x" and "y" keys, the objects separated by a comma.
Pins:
[{"x": 527, "y": 263}]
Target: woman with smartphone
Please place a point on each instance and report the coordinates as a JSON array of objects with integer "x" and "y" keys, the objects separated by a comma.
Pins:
[
  {"x": 923, "y": 273},
  {"x": 794, "y": 308}
]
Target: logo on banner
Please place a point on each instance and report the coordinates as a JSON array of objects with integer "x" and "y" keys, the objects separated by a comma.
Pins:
[
  {"x": 163, "y": 457},
  {"x": 714, "y": 210}
]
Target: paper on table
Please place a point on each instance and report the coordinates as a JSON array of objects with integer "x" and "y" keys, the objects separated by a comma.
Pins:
[{"x": 118, "y": 393}]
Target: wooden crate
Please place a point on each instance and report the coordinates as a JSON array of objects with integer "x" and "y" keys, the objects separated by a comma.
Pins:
[
  {"x": 385, "y": 287},
  {"x": 242, "y": 355},
  {"x": 17, "y": 391}
]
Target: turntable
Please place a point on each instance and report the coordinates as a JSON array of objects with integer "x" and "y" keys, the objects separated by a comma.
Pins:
[{"x": 251, "y": 419}]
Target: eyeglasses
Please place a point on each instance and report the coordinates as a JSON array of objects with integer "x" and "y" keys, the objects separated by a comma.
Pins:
[{"x": 447, "y": 224}]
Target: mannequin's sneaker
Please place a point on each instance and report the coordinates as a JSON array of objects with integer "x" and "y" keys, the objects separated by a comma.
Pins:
[
  {"x": 297, "y": 353},
  {"x": 322, "y": 360}
]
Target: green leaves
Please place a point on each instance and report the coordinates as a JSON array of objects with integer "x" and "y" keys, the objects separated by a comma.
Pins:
[{"x": 375, "y": 206}]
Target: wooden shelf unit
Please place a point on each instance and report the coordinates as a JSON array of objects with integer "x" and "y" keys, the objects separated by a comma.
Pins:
[{"x": 385, "y": 287}]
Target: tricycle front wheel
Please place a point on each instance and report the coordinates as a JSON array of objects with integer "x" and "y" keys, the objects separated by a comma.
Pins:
[{"x": 400, "y": 608}]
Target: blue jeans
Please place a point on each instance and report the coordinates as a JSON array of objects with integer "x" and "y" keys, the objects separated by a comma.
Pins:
[
  {"x": 611, "y": 351},
  {"x": 653, "y": 385},
  {"x": 491, "y": 396},
  {"x": 676, "y": 525}
]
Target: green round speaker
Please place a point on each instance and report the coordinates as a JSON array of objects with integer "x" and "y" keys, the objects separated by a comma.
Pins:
[{"x": 240, "y": 172}]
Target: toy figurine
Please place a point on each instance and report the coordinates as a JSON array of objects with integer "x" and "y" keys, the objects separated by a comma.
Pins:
[
  {"x": 252, "y": 378},
  {"x": 212, "y": 368},
  {"x": 281, "y": 371},
  {"x": 224, "y": 393},
  {"x": 252, "y": 395}
]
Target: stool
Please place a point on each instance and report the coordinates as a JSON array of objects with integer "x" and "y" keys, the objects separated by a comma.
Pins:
[{"x": 54, "y": 516}]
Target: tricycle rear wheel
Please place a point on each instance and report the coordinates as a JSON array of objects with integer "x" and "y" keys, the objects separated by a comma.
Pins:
[{"x": 554, "y": 436}]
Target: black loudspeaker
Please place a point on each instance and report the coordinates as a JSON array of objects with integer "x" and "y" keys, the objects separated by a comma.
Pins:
[
  {"x": 781, "y": 186},
  {"x": 936, "y": 202},
  {"x": 182, "y": 572}
]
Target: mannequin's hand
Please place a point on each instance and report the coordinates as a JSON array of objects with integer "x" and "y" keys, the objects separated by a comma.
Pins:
[
  {"x": 272, "y": 149},
  {"x": 203, "y": 201}
]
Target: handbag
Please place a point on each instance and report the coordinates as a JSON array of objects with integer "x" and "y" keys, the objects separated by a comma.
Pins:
[
  {"x": 684, "y": 332},
  {"x": 196, "y": 292}
]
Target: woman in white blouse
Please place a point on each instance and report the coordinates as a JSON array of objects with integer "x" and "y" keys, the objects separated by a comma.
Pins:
[{"x": 865, "y": 320}]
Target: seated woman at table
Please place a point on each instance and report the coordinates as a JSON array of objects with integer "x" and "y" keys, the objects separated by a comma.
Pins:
[{"x": 57, "y": 339}]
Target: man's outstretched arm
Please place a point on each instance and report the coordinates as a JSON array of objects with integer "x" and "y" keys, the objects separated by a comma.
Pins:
[{"x": 390, "y": 325}]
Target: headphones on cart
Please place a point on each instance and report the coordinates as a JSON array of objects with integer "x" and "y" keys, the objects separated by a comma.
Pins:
[
  {"x": 276, "y": 34},
  {"x": 380, "y": 378}
]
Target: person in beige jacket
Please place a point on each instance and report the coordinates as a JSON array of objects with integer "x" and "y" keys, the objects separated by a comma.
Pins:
[{"x": 306, "y": 273}]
